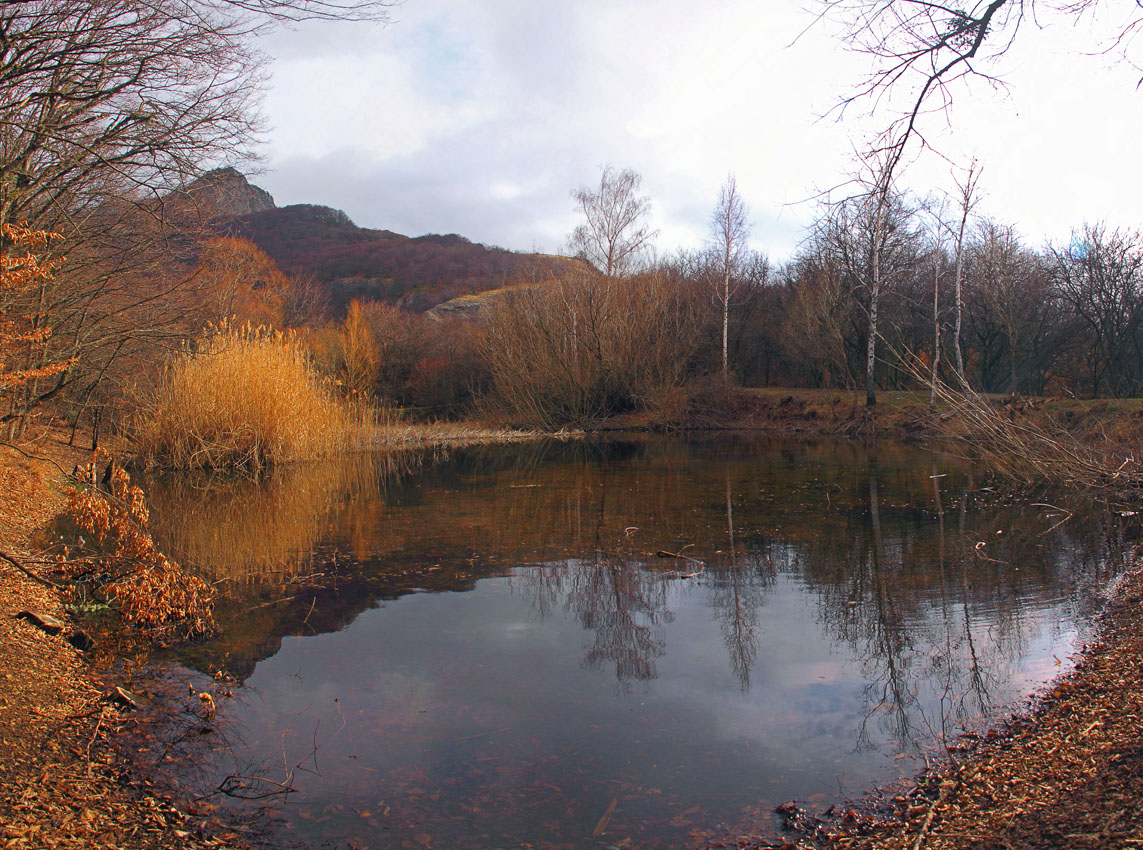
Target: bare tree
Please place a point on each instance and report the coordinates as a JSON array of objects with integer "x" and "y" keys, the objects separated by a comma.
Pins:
[
  {"x": 730, "y": 230},
  {"x": 108, "y": 99},
  {"x": 869, "y": 231},
  {"x": 924, "y": 50},
  {"x": 107, "y": 108},
  {"x": 967, "y": 197},
  {"x": 1005, "y": 273},
  {"x": 1100, "y": 276},
  {"x": 936, "y": 237},
  {"x": 814, "y": 332},
  {"x": 615, "y": 235}
]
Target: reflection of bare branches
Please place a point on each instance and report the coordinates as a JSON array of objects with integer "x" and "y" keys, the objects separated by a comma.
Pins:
[
  {"x": 624, "y": 605},
  {"x": 955, "y": 642},
  {"x": 737, "y": 595},
  {"x": 618, "y": 599}
]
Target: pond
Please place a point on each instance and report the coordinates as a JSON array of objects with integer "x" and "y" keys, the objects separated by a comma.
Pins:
[{"x": 624, "y": 643}]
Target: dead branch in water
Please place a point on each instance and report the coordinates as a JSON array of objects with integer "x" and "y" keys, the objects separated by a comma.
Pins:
[
  {"x": 663, "y": 553},
  {"x": 238, "y": 787},
  {"x": 1020, "y": 448}
]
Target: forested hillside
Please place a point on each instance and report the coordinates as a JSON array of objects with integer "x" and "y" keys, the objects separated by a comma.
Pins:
[{"x": 351, "y": 262}]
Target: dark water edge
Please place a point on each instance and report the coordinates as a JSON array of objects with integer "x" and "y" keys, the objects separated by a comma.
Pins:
[{"x": 490, "y": 652}]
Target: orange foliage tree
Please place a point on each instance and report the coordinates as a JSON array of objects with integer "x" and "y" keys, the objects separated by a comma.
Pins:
[
  {"x": 238, "y": 280},
  {"x": 360, "y": 360},
  {"x": 24, "y": 331}
]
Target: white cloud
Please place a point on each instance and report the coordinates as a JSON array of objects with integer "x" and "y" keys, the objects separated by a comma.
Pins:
[{"x": 480, "y": 116}]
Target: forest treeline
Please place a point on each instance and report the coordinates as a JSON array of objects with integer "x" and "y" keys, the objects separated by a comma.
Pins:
[
  {"x": 119, "y": 277},
  {"x": 573, "y": 345},
  {"x": 1040, "y": 320}
]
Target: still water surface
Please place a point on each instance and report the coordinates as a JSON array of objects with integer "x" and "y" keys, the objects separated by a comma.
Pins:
[{"x": 493, "y": 651}]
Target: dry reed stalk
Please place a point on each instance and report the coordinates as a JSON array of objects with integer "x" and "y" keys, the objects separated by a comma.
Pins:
[
  {"x": 241, "y": 398},
  {"x": 1022, "y": 449}
]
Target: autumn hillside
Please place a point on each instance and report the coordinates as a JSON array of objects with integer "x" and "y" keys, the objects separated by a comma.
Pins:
[{"x": 355, "y": 262}]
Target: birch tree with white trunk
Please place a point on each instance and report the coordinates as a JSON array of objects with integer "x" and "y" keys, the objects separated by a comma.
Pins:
[{"x": 730, "y": 229}]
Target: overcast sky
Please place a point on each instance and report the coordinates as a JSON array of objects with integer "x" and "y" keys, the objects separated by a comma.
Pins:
[{"x": 479, "y": 117}]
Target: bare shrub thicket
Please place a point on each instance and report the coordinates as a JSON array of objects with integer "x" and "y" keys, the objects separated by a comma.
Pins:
[
  {"x": 240, "y": 398},
  {"x": 577, "y": 350},
  {"x": 391, "y": 356}
]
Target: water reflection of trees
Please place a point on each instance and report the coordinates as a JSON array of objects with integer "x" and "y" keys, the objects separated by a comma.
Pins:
[
  {"x": 622, "y": 604},
  {"x": 887, "y": 540},
  {"x": 940, "y": 609},
  {"x": 738, "y": 582},
  {"x": 621, "y": 595}
]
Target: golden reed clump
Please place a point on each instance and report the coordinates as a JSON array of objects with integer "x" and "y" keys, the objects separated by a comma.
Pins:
[
  {"x": 241, "y": 398},
  {"x": 152, "y": 591}
]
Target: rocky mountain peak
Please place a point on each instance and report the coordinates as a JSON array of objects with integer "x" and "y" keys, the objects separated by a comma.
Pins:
[{"x": 227, "y": 192}]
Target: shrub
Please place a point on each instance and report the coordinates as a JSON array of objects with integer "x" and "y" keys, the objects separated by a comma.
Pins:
[
  {"x": 152, "y": 592},
  {"x": 240, "y": 399},
  {"x": 575, "y": 351}
]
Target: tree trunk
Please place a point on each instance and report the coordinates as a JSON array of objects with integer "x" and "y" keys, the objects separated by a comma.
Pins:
[
  {"x": 725, "y": 323},
  {"x": 936, "y": 329},
  {"x": 871, "y": 349},
  {"x": 874, "y": 299}
]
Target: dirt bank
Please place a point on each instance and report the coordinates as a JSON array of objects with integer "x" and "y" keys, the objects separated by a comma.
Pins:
[{"x": 61, "y": 783}]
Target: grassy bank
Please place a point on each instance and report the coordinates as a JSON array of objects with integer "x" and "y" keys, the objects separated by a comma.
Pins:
[{"x": 1100, "y": 424}]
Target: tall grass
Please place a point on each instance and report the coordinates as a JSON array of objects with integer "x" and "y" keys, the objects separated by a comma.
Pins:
[{"x": 240, "y": 398}]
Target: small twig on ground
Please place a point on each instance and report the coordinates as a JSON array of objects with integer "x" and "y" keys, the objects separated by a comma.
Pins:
[
  {"x": 943, "y": 796},
  {"x": 94, "y": 735},
  {"x": 45, "y": 582}
]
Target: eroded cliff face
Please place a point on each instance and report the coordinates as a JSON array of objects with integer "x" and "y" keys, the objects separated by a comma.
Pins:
[{"x": 227, "y": 193}]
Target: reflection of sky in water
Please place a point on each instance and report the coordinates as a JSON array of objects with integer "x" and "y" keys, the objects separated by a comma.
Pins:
[
  {"x": 472, "y": 697},
  {"x": 825, "y": 636}
]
